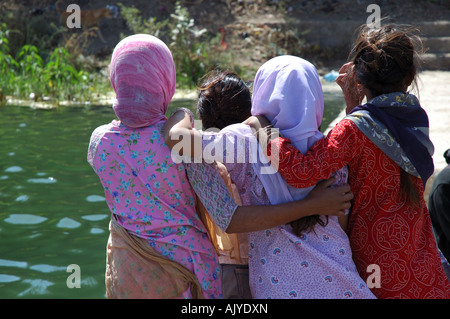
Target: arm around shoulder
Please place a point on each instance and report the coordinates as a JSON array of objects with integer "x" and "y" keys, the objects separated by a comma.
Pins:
[
  {"x": 322, "y": 200},
  {"x": 180, "y": 134},
  {"x": 325, "y": 157}
]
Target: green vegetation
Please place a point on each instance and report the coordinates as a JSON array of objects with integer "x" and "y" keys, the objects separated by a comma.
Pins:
[
  {"x": 40, "y": 68},
  {"x": 7, "y": 65},
  {"x": 44, "y": 62},
  {"x": 191, "y": 48},
  {"x": 189, "y": 52},
  {"x": 29, "y": 75}
]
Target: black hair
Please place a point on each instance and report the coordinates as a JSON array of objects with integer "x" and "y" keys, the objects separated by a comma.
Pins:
[{"x": 224, "y": 99}]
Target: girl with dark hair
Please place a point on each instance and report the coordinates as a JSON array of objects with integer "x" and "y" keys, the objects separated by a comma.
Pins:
[
  {"x": 224, "y": 99},
  {"x": 386, "y": 146}
]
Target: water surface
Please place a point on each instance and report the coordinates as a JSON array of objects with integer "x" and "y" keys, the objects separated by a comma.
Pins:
[{"x": 52, "y": 209}]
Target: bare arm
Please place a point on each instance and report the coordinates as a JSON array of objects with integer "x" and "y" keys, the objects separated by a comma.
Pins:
[
  {"x": 181, "y": 136},
  {"x": 322, "y": 200}
]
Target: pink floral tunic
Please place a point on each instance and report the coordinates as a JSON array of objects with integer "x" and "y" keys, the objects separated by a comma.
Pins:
[{"x": 151, "y": 197}]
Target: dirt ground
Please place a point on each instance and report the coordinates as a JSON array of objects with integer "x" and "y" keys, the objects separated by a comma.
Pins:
[{"x": 435, "y": 99}]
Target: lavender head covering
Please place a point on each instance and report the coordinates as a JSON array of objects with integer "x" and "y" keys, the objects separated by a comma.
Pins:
[
  {"x": 288, "y": 92},
  {"x": 143, "y": 77}
]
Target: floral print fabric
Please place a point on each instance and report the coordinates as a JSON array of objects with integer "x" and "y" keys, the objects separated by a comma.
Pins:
[
  {"x": 283, "y": 265},
  {"x": 314, "y": 265},
  {"x": 205, "y": 181},
  {"x": 151, "y": 197}
]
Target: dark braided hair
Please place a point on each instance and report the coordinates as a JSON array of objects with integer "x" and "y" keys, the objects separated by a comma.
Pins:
[{"x": 224, "y": 99}]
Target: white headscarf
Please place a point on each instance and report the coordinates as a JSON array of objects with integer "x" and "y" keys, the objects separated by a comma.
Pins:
[{"x": 288, "y": 92}]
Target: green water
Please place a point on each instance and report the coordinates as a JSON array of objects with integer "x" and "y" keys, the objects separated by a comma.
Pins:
[{"x": 52, "y": 210}]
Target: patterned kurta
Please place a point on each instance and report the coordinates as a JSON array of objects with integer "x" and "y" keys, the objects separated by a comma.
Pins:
[
  {"x": 384, "y": 229},
  {"x": 151, "y": 197},
  {"x": 282, "y": 265}
]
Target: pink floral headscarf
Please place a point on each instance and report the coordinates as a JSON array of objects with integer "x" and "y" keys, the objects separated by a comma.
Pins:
[{"x": 143, "y": 76}]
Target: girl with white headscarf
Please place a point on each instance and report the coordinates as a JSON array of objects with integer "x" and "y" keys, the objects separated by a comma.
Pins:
[
  {"x": 316, "y": 259},
  {"x": 317, "y": 263}
]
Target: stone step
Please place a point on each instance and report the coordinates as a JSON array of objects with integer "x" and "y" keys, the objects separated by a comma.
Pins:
[
  {"x": 435, "y": 37},
  {"x": 436, "y": 44},
  {"x": 434, "y": 28},
  {"x": 435, "y": 61},
  {"x": 337, "y": 36}
]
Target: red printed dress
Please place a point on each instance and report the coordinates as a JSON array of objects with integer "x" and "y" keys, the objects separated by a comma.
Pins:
[{"x": 383, "y": 229}]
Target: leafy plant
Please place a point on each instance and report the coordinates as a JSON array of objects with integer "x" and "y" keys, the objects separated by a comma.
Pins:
[
  {"x": 7, "y": 65},
  {"x": 59, "y": 75},
  {"x": 137, "y": 25},
  {"x": 52, "y": 75},
  {"x": 188, "y": 44},
  {"x": 189, "y": 53},
  {"x": 75, "y": 43},
  {"x": 31, "y": 69}
]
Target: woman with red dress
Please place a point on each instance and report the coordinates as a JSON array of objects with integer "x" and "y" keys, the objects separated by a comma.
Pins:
[{"x": 386, "y": 147}]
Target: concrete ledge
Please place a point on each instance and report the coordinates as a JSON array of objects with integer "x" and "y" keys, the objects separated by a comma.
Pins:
[{"x": 436, "y": 61}]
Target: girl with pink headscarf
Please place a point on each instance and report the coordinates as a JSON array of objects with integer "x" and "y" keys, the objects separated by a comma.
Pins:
[{"x": 158, "y": 246}]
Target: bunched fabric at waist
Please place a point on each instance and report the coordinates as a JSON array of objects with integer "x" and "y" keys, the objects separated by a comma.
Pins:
[{"x": 182, "y": 278}]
